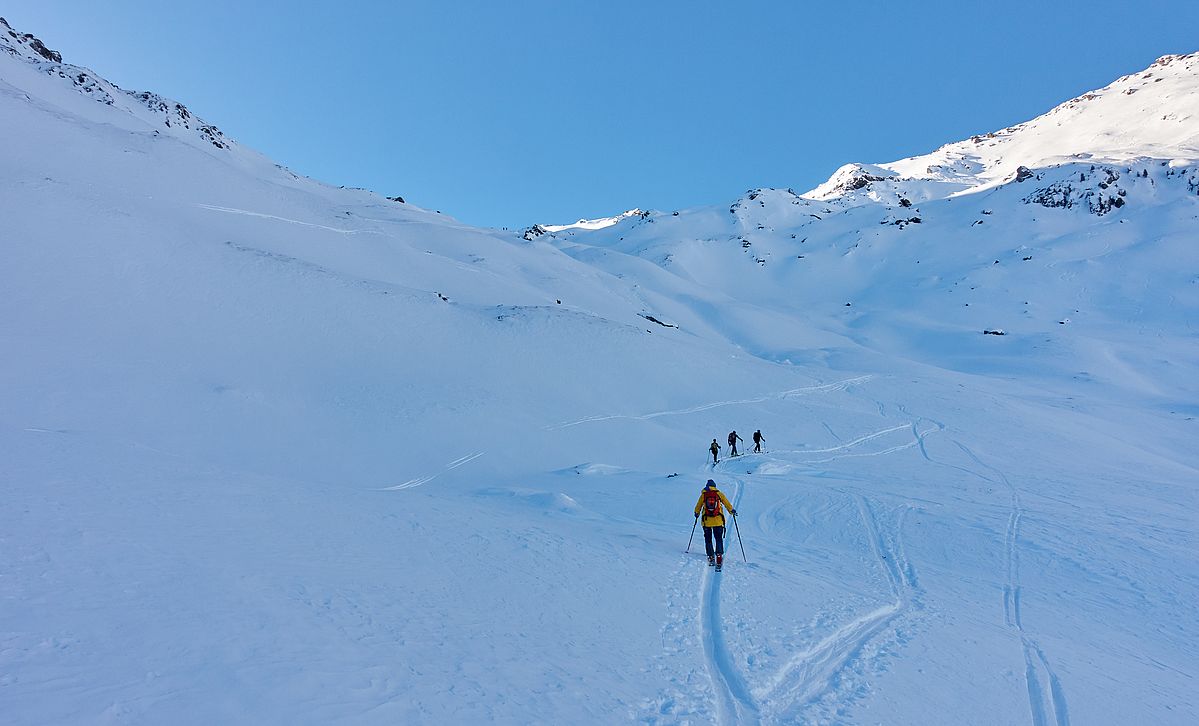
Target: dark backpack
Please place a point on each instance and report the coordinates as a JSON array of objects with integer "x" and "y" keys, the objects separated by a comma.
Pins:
[
  {"x": 732, "y": 439},
  {"x": 711, "y": 503}
]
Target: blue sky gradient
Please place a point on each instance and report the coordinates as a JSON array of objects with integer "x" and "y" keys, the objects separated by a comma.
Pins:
[{"x": 506, "y": 114}]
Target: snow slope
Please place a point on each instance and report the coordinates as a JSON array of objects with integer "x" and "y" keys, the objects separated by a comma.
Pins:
[
  {"x": 277, "y": 452},
  {"x": 1151, "y": 114},
  {"x": 593, "y": 223}
]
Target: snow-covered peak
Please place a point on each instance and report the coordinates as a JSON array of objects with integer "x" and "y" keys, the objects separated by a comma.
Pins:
[
  {"x": 849, "y": 178},
  {"x": 593, "y": 223},
  {"x": 1150, "y": 114}
]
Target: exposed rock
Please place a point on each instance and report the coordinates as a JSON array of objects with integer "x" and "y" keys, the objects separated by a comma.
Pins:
[
  {"x": 652, "y": 319},
  {"x": 174, "y": 115},
  {"x": 1069, "y": 194},
  {"x": 36, "y": 45},
  {"x": 39, "y": 48},
  {"x": 858, "y": 182},
  {"x": 534, "y": 232}
]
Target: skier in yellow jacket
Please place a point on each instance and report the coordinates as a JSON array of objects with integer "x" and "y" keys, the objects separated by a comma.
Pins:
[{"x": 710, "y": 500}]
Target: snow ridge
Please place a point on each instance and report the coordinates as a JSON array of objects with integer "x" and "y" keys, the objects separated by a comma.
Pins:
[
  {"x": 593, "y": 223},
  {"x": 1150, "y": 114},
  {"x": 164, "y": 114}
]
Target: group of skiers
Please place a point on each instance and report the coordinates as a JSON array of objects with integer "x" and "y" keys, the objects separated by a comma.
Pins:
[
  {"x": 712, "y": 502},
  {"x": 733, "y": 439}
]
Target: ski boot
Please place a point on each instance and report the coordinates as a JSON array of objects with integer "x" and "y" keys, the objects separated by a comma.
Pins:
[
  {"x": 719, "y": 562},
  {"x": 711, "y": 560}
]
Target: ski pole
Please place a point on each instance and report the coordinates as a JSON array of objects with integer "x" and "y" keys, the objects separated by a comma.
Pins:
[
  {"x": 692, "y": 534},
  {"x": 738, "y": 529}
]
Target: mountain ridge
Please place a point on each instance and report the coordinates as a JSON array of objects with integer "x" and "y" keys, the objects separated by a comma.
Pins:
[
  {"x": 164, "y": 114},
  {"x": 1091, "y": 127}
]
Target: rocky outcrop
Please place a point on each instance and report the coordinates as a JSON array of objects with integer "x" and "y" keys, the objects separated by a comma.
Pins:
[
  {"x": 1097, "y": 190},
  {"x": 852, "y": 178},
  {"x": 172, "y": 115},
  {"x": 31, "y": 42},
  {"x": 534, "y": 232}
]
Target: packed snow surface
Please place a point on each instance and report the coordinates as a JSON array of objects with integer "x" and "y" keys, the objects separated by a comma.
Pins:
[{"x": 281, "y": 453}]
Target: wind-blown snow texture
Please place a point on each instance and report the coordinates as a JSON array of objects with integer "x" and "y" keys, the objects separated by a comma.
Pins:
[{"x": 276, "y": 452}]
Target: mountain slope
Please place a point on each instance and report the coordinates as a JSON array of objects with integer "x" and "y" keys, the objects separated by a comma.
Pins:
[
  {"x": 1152, "y": 114},
  {"x": 1019, "y": 232},
  {"x": 278, "y": 452}
]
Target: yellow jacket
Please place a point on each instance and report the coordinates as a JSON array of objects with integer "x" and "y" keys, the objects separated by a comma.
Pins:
[{"x": 716, "y": 520}]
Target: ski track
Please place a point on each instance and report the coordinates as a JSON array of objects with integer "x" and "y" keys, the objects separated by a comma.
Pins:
[
  {"x": 817, "y": 683},
  {"x": 855, "y": 442},
  {"x": 823, "y": 388},
  {"x": 734, "y": 703},
  {"x": 419, "y": 481},
  {"x": 247, "y": 213},
  {"x": 918, "y": 438},
  {"x": 1046, "y": 697},
  {"x": 810, "y": 675}
]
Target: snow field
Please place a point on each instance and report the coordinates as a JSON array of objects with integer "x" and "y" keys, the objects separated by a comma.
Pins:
[{"x": 276, "y": 452}]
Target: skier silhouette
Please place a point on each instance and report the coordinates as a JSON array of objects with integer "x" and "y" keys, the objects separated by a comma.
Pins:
[
  {"x": 733, "y": 439},
  {"x": 715, "y": 449},
  {"x": 758, "y": 439}
]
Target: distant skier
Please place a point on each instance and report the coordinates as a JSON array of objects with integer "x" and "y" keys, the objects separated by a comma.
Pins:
[
  {"x": 715, "y": 449},
  {"x": 710, "y": 500},
  {"x": 758, "y": 439},
  {"x": 733, "y": 439}
]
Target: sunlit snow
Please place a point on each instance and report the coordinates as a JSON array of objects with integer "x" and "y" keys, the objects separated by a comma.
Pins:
[{"x": 276, "y": 452}]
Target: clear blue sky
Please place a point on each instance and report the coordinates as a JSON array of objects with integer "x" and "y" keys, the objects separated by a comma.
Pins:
[{"x": 505, "y": 113}]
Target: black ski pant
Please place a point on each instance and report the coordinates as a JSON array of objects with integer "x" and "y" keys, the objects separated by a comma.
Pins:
[
  {"x": 718, "y": 533},
  {"x": 758, "y": 447},
  {"x": 734, "y": 451}
]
